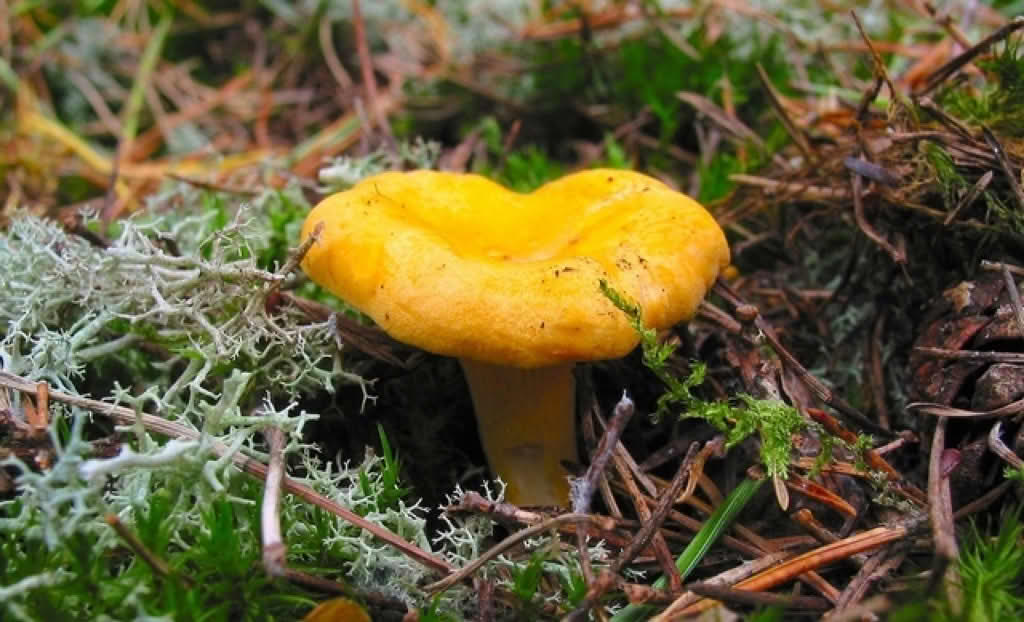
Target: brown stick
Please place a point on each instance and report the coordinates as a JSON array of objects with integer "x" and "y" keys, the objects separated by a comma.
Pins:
[
  {"x": 152, "y": 560},
  {"x": 274, "y": 549},
  {"x": 583, "y": 488}
]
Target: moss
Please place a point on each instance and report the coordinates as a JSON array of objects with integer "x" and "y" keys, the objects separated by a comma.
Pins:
[
  {"x": 999, "y": 103},
  {"x": 775, "y": 422}
]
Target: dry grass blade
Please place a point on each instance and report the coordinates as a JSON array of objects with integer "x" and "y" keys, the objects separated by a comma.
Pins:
[
  {"x": 946, "y": 20},
  {"x": 876, "y": 59},
  {"x": 809, "y": 561},
  {"x": 999, "y": 448},
  {"x": 820, "y": 494},
  {"x": 941, "y": 410},
  {"x": 150, "y": 140},
  {"x": 730, "y": 123},
  {"x": 799, "y": 139},
  {"x": 791, "y": 190},
  {"x": 970, "y": 196},
  {"x": 971, "y": 355},
  {"x": 331, "y": 56},
  {"x": 726, "y": 578},
  {"x": 758, "y": 599},
  {"x": 943, "y": 73},
  {"x": 369, "y": 81},
  {"x": 940, "y": 511},
  {"x": 1004, "y": 163},
  {"x": 212, "y": 186}
]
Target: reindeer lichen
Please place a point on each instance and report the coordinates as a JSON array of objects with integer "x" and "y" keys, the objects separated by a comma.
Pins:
[{"x": 170, "y": 318}]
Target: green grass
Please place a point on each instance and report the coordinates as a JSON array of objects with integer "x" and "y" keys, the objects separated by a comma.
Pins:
[
  {"x": 991, "y": 569},
  {"x": 215, "y": 574},
  {"x": 713, "y": 528}
]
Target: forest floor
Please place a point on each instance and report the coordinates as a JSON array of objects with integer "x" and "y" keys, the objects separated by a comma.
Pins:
[{"x": 838, "y": 429}]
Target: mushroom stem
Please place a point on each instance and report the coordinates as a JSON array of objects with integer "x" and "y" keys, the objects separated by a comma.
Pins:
[{"x": 526, "y": 419}]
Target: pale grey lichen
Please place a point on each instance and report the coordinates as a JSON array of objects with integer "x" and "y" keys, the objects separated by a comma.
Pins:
[
  {"x": 67, "y": 303},
  {"x": 177, "y": 301},
  {"x": 54, "y": 504},
  {"x": 460, "y": 539},
  {"x": 343, "y": 172},
  {"x": 372, "y": 564}
]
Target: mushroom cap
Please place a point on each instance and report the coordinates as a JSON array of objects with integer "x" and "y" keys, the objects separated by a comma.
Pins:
[{"x": 458, "y": 265}]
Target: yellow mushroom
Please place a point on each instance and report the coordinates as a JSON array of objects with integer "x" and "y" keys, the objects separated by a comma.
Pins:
[
  {"x": 339, "y": 609},
  {"x": 509, "y": 283}
]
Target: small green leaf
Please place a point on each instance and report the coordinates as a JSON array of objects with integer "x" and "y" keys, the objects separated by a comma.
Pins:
[{"x": 526, "y": 581}]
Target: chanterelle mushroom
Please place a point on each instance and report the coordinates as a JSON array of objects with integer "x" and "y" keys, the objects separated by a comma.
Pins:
[{"x": 509, "y": 283}]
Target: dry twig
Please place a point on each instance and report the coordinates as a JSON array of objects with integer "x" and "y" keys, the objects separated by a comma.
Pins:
[
  {"x": 274, "y": 549},
  {"x": 583, "y": 488},
  {"x": 943, "y": 73}
]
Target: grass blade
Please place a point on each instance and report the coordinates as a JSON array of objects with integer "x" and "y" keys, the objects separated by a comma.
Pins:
[{"x": 694, "y": 552}]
